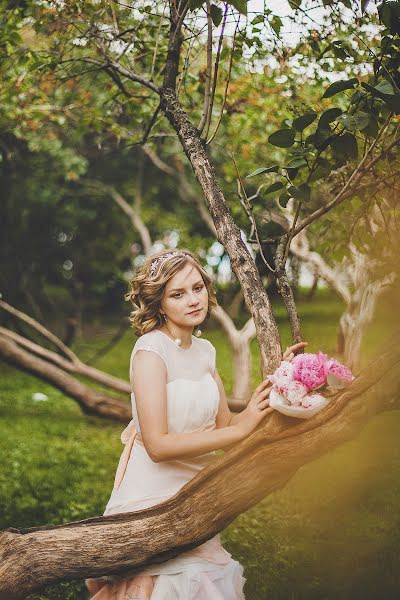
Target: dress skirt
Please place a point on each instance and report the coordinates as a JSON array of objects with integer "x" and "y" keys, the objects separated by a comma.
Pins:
[{"x": 206, "y": 572}]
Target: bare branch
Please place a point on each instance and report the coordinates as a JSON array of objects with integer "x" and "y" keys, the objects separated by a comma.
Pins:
[
  {"x": 91, "y": 401},
  {"x": 254, "y": 468},
  {"x": 207, "y": 96},
  {"x": 228, "y": 79},
  {"x": 78, "y": 367},
  {"x": 41, "y": 329}
]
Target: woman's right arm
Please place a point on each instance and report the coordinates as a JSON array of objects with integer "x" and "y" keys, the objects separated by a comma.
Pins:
[{"x": 150, "y": 389}]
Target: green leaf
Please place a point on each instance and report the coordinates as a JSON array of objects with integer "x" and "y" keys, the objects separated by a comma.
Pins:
[
  {"x": 301, "y": 192},
  {"x": 339, "y": 86},
  {"x": 295, "y": 4},
  {"x": 357, "y": 97},
  {"x": 273, "y": 169},
  {"x": 296, "y": 163},
  {"x": 321, "y": 138},
  {"x": 283, "y": 138},
  {"x": 372, "y": 127},
  {"x": 345, "y": 146},
  {"x": 339, "y": 50},
  {"x": 286, "y": 124},
  {"x": 193, "y": 4},
  {"x": 393, "y": 102},
  {"x": 258, "y": 19},
  {"x": 359, "y": 120},
  {"x": 284, "y": 199},
  {"x": 328, "y": 116},
  {"x": 384, "y": 88},
  {"x": 304, "y": 121},
  {"x": 240, "y": 5},
  {"x": 216, "y": 14},
  {"x": 389, "y": 14},
  {"x": 276, "y": 24},
  {"x": 274, "y": 187},
  {"x": 292, "y": 173}
]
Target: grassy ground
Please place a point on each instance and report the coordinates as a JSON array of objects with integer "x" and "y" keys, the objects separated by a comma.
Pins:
[{"x": 332, "y": 533}]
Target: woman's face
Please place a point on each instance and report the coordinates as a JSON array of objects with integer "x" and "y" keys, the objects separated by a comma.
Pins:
[{"x": 185, "y": 293}]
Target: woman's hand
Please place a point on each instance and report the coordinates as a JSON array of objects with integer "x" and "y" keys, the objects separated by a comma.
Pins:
[
  {"x": 257, "y": 408},
  {"x": 291, "y": 351}
]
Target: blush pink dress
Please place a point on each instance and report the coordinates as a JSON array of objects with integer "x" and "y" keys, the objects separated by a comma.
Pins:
[{"x": 207, "y": 572}]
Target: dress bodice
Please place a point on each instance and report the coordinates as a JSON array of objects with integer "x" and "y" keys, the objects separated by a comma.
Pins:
[{"x": 192, "y": 392}]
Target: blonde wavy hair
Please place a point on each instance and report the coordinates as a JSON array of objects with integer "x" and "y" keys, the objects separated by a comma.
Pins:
[{"x": 146, "y": 289}]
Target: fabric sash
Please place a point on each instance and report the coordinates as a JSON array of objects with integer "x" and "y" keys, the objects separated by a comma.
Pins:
[{"x": 127, "y": 437}]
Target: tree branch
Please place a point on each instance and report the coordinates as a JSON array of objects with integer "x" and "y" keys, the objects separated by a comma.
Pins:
[
  {"x": 91, "y": 401},
  {"x": 259, "y": 465}
]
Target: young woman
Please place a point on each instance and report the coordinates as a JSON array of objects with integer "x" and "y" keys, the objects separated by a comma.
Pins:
[{"x": 180, "y": 417}]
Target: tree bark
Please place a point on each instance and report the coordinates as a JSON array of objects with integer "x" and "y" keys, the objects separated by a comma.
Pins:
[
  {"x": 35, "y": 557},
  {"x": 228, "y": 233}
]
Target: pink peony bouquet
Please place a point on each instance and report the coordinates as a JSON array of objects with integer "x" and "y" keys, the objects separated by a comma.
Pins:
[{"x": 297, "y": 384}]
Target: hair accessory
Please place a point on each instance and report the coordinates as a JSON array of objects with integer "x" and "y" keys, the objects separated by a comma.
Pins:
[
  {"x": 163, "y": 257},
  {"x": 198, "y": 332}
]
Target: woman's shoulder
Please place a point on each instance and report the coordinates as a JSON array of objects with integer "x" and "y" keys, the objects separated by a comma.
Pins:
[
  {"x": 151, "y": 341},
  {"x": 150, "y": 336},
  {"x": 210, "y": 352},
  {"x": 205, "y": 343}
]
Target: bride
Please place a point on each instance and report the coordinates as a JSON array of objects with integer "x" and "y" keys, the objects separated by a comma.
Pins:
[{"x": 180, "y": 417}]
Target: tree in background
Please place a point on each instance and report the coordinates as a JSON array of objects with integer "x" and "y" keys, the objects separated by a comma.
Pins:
[{"x": 343, "y": 148}]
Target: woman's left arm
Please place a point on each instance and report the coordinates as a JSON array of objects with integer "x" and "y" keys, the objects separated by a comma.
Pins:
[{"x": 224, "y": 416}]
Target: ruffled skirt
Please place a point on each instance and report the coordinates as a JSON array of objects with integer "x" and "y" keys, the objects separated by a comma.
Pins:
[{"x": 206, "y": 572}]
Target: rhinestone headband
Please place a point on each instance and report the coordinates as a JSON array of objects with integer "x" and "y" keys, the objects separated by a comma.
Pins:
[{"x": 162, "y": 258}]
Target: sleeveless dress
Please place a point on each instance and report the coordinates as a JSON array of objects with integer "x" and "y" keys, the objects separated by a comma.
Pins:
[{"x": 207, "y": 572}]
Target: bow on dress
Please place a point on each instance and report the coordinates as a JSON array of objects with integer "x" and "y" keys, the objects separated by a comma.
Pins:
[{"x": 127, "y": 437}]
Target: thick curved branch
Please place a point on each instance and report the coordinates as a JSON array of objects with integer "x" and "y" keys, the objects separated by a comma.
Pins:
[
  {"x": 91, "y": 401},
  {"x": 261, "y": 464}
]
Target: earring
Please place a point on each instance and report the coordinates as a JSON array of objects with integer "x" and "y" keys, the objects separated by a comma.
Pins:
[{"x": 198, "y": 332}]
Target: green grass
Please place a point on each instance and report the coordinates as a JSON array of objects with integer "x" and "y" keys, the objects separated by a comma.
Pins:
[{"x": 332, "y": 532}]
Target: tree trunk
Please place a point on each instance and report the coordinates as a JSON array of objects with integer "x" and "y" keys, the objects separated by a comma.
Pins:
[
  {"x": 228, "y": 233},
  {"x": 240, "y": 342},
  {"x": 360, "y": 310},
  {"x": 259, "y": 465}
]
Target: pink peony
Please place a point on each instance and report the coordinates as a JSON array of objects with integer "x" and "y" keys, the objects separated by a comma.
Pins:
[
  {"x": 295, "y": 393},
  {"x": 338, "y": 375},
  {"x": 313, "y": 400},
  {"x": 282, "y": 377},
  {"x": 310, "y": 369}
]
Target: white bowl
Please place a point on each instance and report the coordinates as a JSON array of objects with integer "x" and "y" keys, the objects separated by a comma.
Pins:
[{"x": 279, "y": 403}]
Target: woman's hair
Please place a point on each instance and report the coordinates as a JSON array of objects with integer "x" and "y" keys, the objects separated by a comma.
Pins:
[{"x": 148, "y": 284}]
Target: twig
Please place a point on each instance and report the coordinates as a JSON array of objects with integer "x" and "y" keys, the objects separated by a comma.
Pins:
[
  {"x": 217, "y": 58},
  {"x": 250, "y": 214},
  {"x": 228, "y": 79},
  {"x": 207, "y": 95}
]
